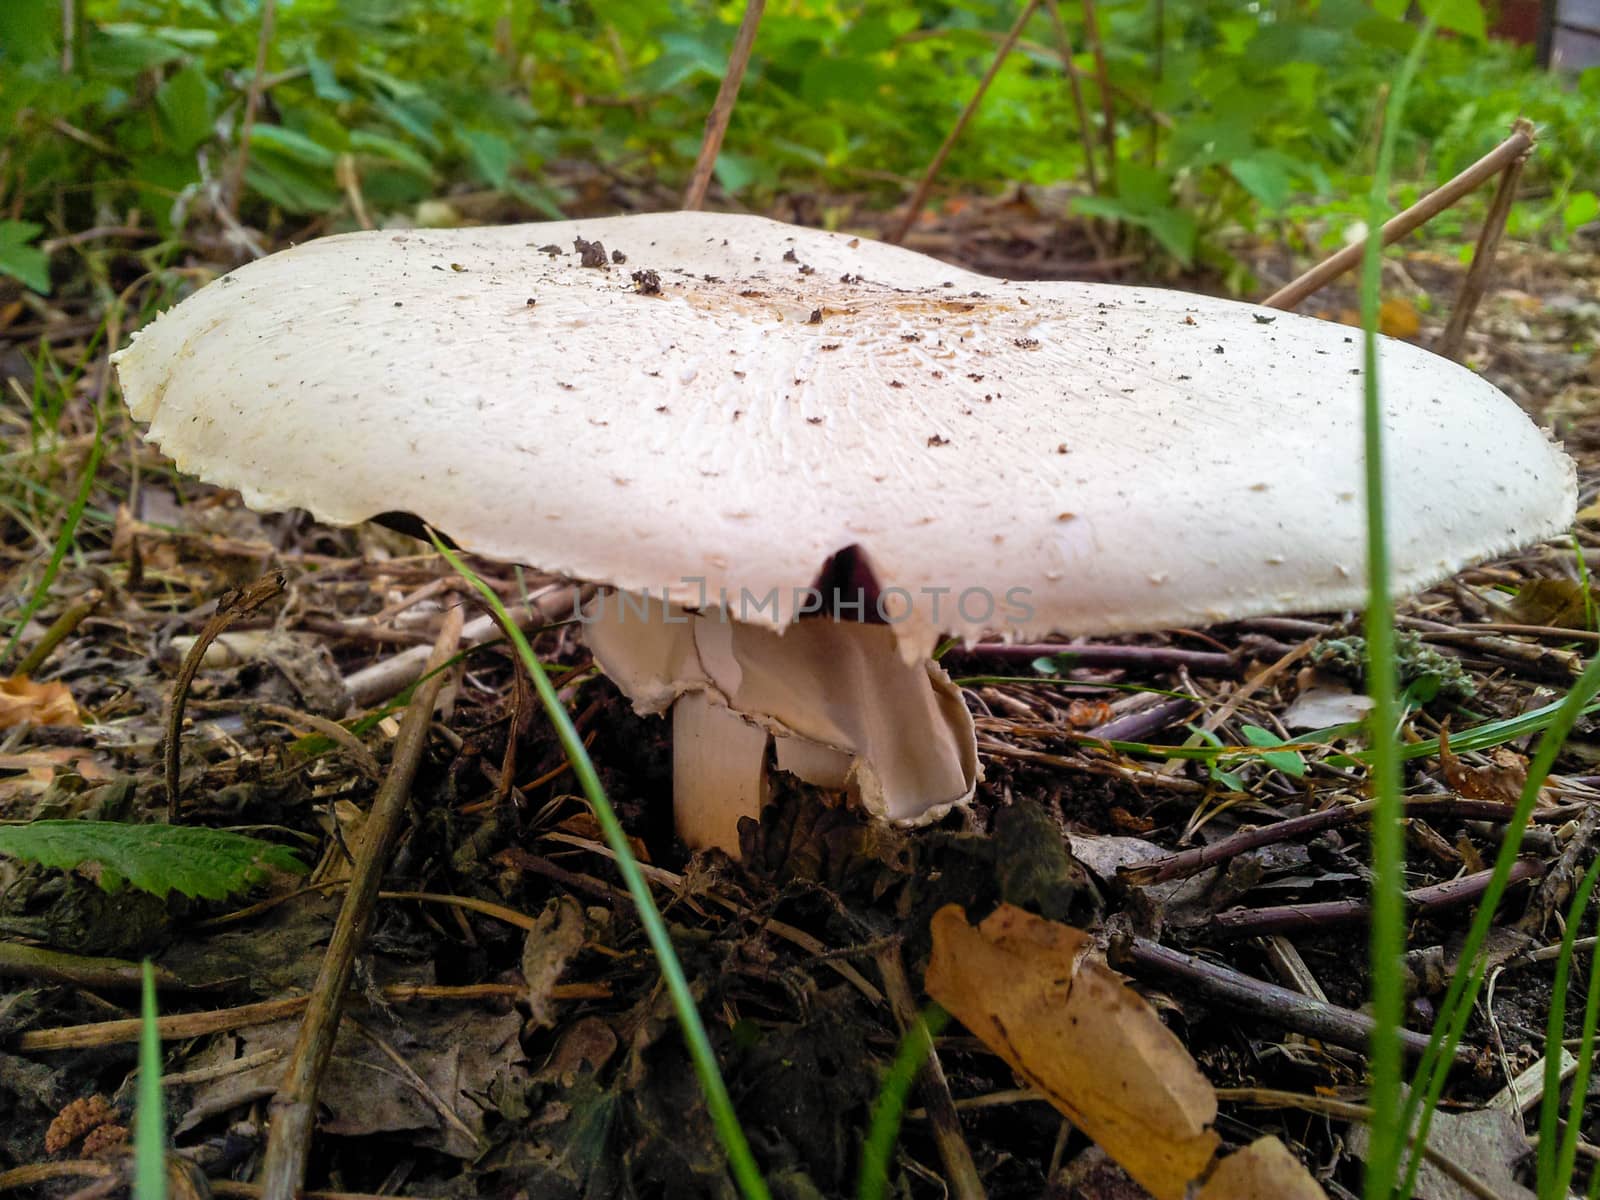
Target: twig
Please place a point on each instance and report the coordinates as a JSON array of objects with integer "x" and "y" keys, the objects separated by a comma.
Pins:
[
  {"x": 383, "y": 679},
  {"x": 76, "y": 970},
  {"x": 1435, "y": 202},
  {"x": 1477, "y": 280},
  {"x": 694, "y": 197},
  {"x": 1085, "y": 128},
  {"x": 293, "y": 1108},
  {"x": 60, "y": 629},
  {"x": 919, "y": 198},
  {"x": 231, "y": 605},
  {"x": 252, "y": 101},
  {"x": 960, "y": 1170},
  {"x": 1282, "y": 1006},
  {"x": 1185, "y": 863},
  {"x": 1091, "y": 29},
  {"x": 1287, "y": 918},
  {"x": 1137, "y": 726},
  {"x": 363, "y": 758},
  {"x": 1210, "y": 662},
  {"x": 1557, "y": 885},
  {"x": 179, "y": 1026}
]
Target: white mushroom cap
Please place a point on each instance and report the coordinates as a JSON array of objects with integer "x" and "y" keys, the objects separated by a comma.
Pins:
[{"x": 1021, "y": 457}]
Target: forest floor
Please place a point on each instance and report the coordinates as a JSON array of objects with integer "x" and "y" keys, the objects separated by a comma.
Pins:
[{"x": 515, "y": 1040}]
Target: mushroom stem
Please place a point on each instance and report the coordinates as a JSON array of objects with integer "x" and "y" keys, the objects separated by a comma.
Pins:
[
  {"x": 847, "y": 710},
  {"x": 719, "y": 772}
]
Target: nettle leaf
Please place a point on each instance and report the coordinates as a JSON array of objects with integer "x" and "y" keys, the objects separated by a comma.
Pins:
[
  {"x": 210, "y": 863},
  {"x": 21, "y": 259}
]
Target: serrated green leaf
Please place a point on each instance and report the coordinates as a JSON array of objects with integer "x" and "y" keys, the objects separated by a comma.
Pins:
[{"x": 209, "y": 863}]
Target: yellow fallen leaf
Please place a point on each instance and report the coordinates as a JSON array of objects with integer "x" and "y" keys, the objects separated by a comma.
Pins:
[
  {"x": 22, "y": 700},
  {"x": 1397, "y": 317},
  {"x": 1263, "y": 1170},
  {"x": 1028, "y": 990}
]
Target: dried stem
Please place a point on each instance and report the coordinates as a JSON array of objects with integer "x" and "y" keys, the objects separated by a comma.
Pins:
[
  {"x": 919, "y": 198},
  {"x": 694, "y": 197},
  {"x": 252, "y": 101},
  {"x": 179, "y": 1026},
  {"x": 1191, "y": 862},
  {"x": 1396, "y": 227},
  {"x": 1289, "y": 918},
  {"x": 60, "y": 629},
  {"x": 1085, "y": 127},
  {"x": 1477, "y": 280},
  {"x": 960, "y": 1171},
  {"x": 231, "y": 605},
  {"x": 1091, "y": 29},
  {"x": 294, "y": 1106},
  {"x": 1210, "y": 662},
  {"x": 1241, "y": 993}
]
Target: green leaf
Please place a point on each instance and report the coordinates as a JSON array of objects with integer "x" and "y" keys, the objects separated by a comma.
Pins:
[
  {"x": 185, "y": 104},
  {"x": 1458, "y": 16},
  {"x": 1289, "y": 762},
  {"x": 492, "y": 154},
  {"x": 1264, "y": 178},
  {"x": 158, "y": 859},
  {"x": 324, "y": 82},
  {"x": 379, "y": 145},
  {"x": 22, "y": 260},
  {"x": 292, "y": 145},
  {"x": 1580, "y": 209},
  {"x": 28, "y": 30}
]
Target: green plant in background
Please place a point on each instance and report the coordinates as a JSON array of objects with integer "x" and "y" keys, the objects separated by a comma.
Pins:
[{"x": 375, "y": 106}]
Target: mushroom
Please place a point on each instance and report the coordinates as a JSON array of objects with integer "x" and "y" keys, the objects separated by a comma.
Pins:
[{"x": 756, "y": 429}]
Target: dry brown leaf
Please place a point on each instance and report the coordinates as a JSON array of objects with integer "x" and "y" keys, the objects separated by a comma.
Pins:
[
  {"x": 1563, "y": 603},
  {"x": 553, "y": 942},
  {"x": 1027, "y": 988},
  {"x": 24, "y": 701},
  {"x": 1501, "y": 781},
  {"x": 1263, "y": 1170},
  {"x": 1397, "y": 317}
]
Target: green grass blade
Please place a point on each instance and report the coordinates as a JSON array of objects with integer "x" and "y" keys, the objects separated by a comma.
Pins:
[
  {"x": 1386, "y": 947},
  {"x": 720, "y": 1105},
  {"x": 149, "y": 1121},
  {"x": 1550, "y": 1101},
  {"x": 1580, "y": 1077},
  {"x": 888, "y": 1109},
  {"x": 1428, "y": 1081},
  {"x": 69, "y": 528}
]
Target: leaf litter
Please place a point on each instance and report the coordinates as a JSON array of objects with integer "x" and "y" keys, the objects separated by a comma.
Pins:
[{"x": 547, "y": 1062}]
